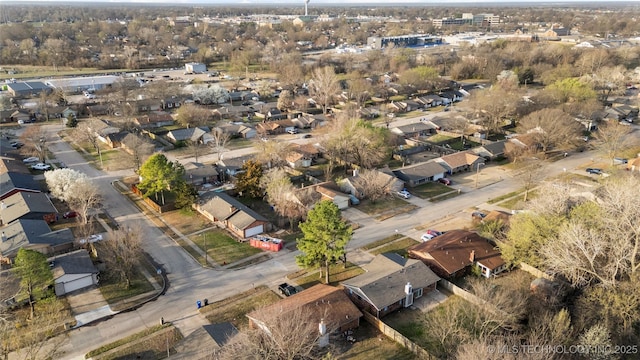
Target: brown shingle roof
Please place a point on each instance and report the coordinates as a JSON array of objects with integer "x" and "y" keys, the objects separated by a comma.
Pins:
[
  {"x": 322, "y": 301},
  {"x": 459, "y": 159},
  {"x": 451, "y": 251}
]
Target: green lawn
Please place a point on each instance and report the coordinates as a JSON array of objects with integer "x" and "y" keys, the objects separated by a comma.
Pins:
[
  {"x": 337, "y": 273},
  {"x": 222, "y": 248},
  {"x": 399, "y": 247},
  {"x": 114, "y": 291},
  {"x": 234, "y": 308},
  {"x": 457, "y": 145},
  {"x": 504, "y": 197},
  {"x": 430, "y": 189},
  {"x": 516, "y": 201},
  {"x": 380, "y": 206}
]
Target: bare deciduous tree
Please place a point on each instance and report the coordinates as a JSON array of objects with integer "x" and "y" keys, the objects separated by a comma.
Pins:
[
  {"x": 220, "y": 140},
  {"x": 552, "y": 128},
  {"x": 324, "y": 86},
  {"x": 278, "y": 336},
  {"x": 84, "y": 133},
  {"x": 40, "y": 338},
  {"x": 495, "y": 106},
  {"x": 122, "y": 252},
  {"x": 34, "y": 138},
  {"x": 193, "y": 115},
  {"x": 611, "y": 138},
  {"x": 372, "y": 184}
]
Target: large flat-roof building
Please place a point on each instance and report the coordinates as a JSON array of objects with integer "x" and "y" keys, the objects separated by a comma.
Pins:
[
  {"x": 417, "y": 40},
  {"x": 79, "y": 84},
  {"x": 27, "y": 88}
]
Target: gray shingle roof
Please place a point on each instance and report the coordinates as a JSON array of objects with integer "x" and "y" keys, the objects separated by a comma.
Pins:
[
  {"x": 13, "y": 180},
  {"x": 224, "y": 207},
  {"x": 21, "y": 233},
  {"x": 23, "y": 203},
  {"x": 383, "y": 283},
  {"x": 77, "y": 262},
  {"x": 420, "y": 171}
]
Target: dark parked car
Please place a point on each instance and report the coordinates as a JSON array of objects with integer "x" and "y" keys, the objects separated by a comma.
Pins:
[
  {"x": 594, "y": 171},
  {"x": 287, "y": 290},
  {"x": 444, "y": 181},
  {"x": 69, "y": 215}
]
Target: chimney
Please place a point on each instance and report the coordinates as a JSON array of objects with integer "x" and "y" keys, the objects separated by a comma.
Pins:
[
  {"x": 472, "y": 256},
  {"x": 3, "y": 205},
  {"x": 232, "y": 209},
  {"x": 408, "y": 289}
]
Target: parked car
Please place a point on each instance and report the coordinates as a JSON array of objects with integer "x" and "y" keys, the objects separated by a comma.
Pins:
[
  {"x": 69, "y": 215},
  {"x": 91, "y": 239},
  {"x": 594, "y": 171},
  {"x": 31, "y": 159},
  {"x": 404, "y": 194},
  {"x": 620, "y": 161},
  {"x": 478, "y": 215},
  {"x": 426, "y": 237},
  {"x": 445, "y": 181},
  {"x": 306, "y": 136},
  {"x": 287, "y": 290},
  {"x": 16, "y": 144},
  {"x": 41, "y": 166}
]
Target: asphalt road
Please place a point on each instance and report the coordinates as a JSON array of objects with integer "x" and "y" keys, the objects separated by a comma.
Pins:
[{"x": 190, "y": 282}]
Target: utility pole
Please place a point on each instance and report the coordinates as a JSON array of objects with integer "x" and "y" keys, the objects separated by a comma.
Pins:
[{"x": 204, "y": 237}]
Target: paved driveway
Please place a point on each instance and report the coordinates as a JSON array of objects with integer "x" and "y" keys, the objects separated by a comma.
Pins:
[{"x": 86, "y": 300}]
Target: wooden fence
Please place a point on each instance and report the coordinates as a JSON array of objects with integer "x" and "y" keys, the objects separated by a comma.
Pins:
[
  {"x": 392, "y": 334},
  {"x": 158, "y": 208}
]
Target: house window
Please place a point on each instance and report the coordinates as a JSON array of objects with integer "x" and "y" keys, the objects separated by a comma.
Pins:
[{"x": 417, "y": 293}]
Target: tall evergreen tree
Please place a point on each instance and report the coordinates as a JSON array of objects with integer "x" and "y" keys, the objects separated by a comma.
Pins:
[
  {"x": 34, "y": 273},
  {"x": 325, "y": 236}
]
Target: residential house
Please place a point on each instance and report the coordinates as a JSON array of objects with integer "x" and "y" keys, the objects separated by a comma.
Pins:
[
  {"x": 355, "y": 186},
  {"x": 154, "y": 119},
  {"x": 431, "y": 100},
  {"x": 415, "y": 130},
  {"x": 318, "y": 304},
  {"x": 10, "y": 164},
  {"x": 98, "y": 110},
  {"x": 237, "y": 130},
  {"x": 274, "y": 127},
  {"x": 225, "y": 210},
  {"x": 555, "y": 31},
  {"x": 13, "y": 182},
  {"x": 33, "y": 234},
  {"x": 227, "y": 111},
  {"x": 391, "y": 282},
  {"x": 330, "y": 191},
  {"x": 204, "y": 341},
  {"x": 233, "y": 166},
  {"x": 25, "y": 205},
  {"x": 451, "y": 96},
  {"x": 137, "y": 145},
  {"x": 172, "y": 102},
  {"x": 454, "y": 252},
  {"x": 145, "y": 105},
  {"x": 115, "y": 140},
  {"x": 297, "y": 160},
  {"x": 198, "y": 173},
  {"x": 73, "y": 271},
  {"x": 414, "y": 175},
  {"x": 634, "y": 164},
  {"x": 491, "y": 151},
  {"x": 460, "y": 161},
  {"x": 21, "y": 115},
  {"x": 520, "y": 144},
  {"x": 189, "y": 134},
  {"x": 305, "y": 121},
  {"x": 102, "y": 128}
]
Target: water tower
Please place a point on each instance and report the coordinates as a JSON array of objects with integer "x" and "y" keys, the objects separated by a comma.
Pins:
[{"x": 306, "y": 2}]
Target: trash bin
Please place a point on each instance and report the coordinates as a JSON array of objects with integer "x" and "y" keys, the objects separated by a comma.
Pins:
[
  {"x": 206, "y": 302},
  {"x": 199, "y": 304}
]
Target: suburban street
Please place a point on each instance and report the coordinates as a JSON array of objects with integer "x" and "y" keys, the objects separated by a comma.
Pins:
[{"x": 189, "y": 282}]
